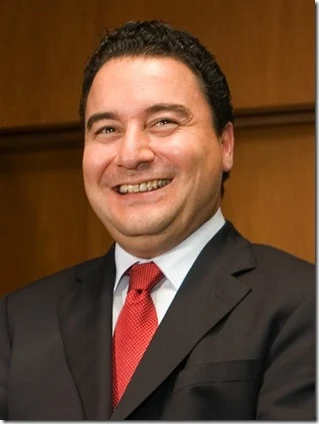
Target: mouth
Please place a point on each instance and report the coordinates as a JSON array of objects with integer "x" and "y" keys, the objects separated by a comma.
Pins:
[{"x": 142, "y": 187}]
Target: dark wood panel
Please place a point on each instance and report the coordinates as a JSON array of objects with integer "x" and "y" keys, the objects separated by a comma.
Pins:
[
  {"x": 266, "y": 48},
  {"x": 271, "y": 192},
  {"x": 43, "y": 214},
  {"x": 62, "y": 136}
]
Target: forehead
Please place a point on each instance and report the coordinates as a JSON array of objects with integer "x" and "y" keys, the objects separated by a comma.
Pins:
[
  {"x": 124, "y": 76},
  {"x": 150, "y": 63}
]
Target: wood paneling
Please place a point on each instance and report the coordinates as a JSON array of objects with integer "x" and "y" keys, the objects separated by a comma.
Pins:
[
  {"x": 270, "y": 194},
  {"x": 43, "y": 214},
  {"x": 266, "y": 49}
]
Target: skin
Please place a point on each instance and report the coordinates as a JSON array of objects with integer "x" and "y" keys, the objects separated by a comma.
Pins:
[{"x": 148, "y": 119}]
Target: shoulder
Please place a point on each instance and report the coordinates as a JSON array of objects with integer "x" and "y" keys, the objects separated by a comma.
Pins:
[
  {"x": 282, "y": 275},
  {"x": 281, "y": 265},
  {"x": 51, "y": 286},
  {"x": 264, "y": 266}
]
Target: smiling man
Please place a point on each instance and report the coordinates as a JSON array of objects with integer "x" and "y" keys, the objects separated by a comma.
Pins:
[
  {"x": 153, "y": 162},
  {"x": 183, "y": 319}
]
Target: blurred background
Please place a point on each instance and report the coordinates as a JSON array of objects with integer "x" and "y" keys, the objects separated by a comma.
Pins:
[{"x": 267, "y": 51}]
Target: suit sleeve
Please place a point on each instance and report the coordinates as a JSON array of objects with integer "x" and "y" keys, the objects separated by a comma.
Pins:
[
  {"x": 5, "y": 351},
  {"x": 288, "y": 387}
]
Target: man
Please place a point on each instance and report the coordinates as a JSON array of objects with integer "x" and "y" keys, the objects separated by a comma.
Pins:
[{"x": 226, "y": 331}]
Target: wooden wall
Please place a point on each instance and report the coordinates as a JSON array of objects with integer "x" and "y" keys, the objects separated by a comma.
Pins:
[
  {"x": 265, "y": 48},
  {"x": 271, "y": 191}
]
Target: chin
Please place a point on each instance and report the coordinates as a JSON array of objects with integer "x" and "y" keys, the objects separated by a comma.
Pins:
[{"x": 141, "y": 227}]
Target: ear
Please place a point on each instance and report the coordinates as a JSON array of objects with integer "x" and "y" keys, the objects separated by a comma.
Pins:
[{"x": 227, "y": 146}]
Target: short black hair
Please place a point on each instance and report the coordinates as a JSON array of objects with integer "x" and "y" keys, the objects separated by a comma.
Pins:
[{"x": 159, "y": 39}]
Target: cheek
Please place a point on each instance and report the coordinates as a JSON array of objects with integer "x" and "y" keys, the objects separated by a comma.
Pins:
[
  {"x": 94, "y": 163},
  {"x": 195, "y": 157},
  {"x": 180, "y": 151}
]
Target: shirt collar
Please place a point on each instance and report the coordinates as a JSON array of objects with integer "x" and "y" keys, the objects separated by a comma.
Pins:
[{"x": 175, "y": 263}]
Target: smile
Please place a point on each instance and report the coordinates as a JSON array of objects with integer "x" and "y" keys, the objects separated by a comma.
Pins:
[{"x": 142, "y": 187}]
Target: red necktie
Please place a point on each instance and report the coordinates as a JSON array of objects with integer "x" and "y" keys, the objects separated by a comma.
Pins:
[{"x": 135, "y": 327}]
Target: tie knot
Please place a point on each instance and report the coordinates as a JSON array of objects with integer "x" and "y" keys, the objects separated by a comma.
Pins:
[{"x": 144, "y": 276}]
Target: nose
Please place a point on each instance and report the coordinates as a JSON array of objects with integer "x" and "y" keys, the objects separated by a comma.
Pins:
[{"x": 134, "y": 149}]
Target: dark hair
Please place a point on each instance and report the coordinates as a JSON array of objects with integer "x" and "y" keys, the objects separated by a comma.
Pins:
[{"x": 159, "y": 39}]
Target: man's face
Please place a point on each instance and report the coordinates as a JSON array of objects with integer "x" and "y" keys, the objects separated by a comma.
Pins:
[{"x": 152, "y": 161}]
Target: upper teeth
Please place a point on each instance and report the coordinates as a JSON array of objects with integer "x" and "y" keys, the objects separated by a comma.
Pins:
[{"x": 144, "y": 186}]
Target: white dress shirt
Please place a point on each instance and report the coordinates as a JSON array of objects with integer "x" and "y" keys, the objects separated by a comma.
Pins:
[{"x": 174, "y": 265}]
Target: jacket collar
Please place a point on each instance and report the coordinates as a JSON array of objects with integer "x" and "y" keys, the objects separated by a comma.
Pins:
[
  {"x": 85, "y": 317},
  {"x": 208, "y": 293}
]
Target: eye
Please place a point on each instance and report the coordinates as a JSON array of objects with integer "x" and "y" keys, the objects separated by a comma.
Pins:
[
  {"x": 164, "y": 122},
  {"x": 106, "y": 130},
  {"x": 163, "y": 127}
]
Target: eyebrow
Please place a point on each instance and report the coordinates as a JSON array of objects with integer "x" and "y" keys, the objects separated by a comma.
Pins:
[
  {"x": 99, "y": 117},
  {"x": 169, "y": 107},
  {"x": 158, "y": 107}
]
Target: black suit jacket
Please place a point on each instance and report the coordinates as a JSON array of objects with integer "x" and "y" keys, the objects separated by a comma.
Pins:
[{"x": 237, "y": 343}]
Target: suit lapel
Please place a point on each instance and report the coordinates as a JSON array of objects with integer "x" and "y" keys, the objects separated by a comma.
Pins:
[
  {"x": 85, "y": 316},
  {"x": 209, "y": 292}
]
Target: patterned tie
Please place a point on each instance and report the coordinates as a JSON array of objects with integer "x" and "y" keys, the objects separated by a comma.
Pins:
[{"x": 135, "y": 327}]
